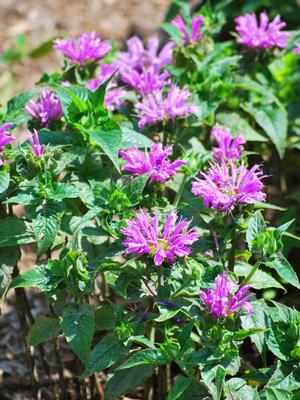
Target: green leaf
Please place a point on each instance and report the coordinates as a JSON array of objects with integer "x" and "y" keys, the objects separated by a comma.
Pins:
[
  {"x": 147, "y": 357},
  {"x": 45, "y": 230},
  {"x": 9, "y": 257},
  {"x": 283, "y": 268},
  {"x": 239, "y": 388},
  {"x": 74, "y": 101},
  {"x": 220, "y": 379},
  {"x": 108, "y": 351},
  {"x": 135, "y": 188},
  {"x": 132, "y": 138},
  {"x": 256, "y": 320},
  {"x": 239, "y": 125},
  {"x": 43, "y": 329},
  {"x": 78, "y": 326},
  {"x": 274, "y": 122},
  {"x": 36, "y": 277},
  {"x": 256, "y": 226},
  {"x": 63, "y": 191},
  {"x": 105, "y": 318},
  {"x": 15, "y": 107},
  {"x": 42, "y": 49},
  {"x": 260, "y": 279},
  {"x": 179, "y": 387},
  {"x": 4, "y": 181},
  {"x": 109, "y": 140},
  {"x": 14, "y": 231},
  {"x": 124, "y": 381}
]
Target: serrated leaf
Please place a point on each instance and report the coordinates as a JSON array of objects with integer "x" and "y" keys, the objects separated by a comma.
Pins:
[
  {"x": 43, "y": 329},
  {"x": 45, "y": 229},
  {"x": 180, "y": 385},
  {"x": 256, "y": 320},
  {"x": 4, "y": 181},
  {"x": 78, "y": 326},
  {"x": 108, "y": 351},
  {"x": 274, "y": 122},
  {"x": 256, "y": 226},
  {"x": 260, "y": 279},
  {"x": 147, "y": 357},
  {"x": 36, "y": 277},
  {"x": 14, "y": 231},
  {"x": 132, "y": 138},
  {"x": 124, "y": 381},
  {"x": 73, "y": 100},
  {"x": 63, "y": 191},
  {"x": 283, "y": 268},
  {"x": 15, "y": 107},
  {"x": 109, "y": 141}
]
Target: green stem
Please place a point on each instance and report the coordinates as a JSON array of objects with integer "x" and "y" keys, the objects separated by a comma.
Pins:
[
  {"x": 180, "y": 190},
  {"x": 251, "y": 273},
  {"x": 231, "y": 256}
]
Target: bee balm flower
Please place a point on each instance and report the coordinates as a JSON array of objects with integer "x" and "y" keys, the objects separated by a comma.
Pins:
[
  {"x": 5, "y": 137},
  {"x": 194, "y": 35},
  {"x": 229, "y": 148},
  {"x": 145, "y": 82},
  {"x": 38, "y": 149},
  {"x": 297, "y": 49},
  {"x": 157, "y": 107},
  {"x": 47, "y": 109},
  {"x": 264, "y": 35},
  {"x": 155, "y": 162},
  {"x": 88, "y": 47},
  {"x": 225, "y": 185},
  {"x": 223, "y": 300},
  {"x": 163, "y": 242},
  {"x": 147, "y": 58}
]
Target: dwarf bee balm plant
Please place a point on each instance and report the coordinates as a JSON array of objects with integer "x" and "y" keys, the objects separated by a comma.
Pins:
[{"x": 156, "y": 188}]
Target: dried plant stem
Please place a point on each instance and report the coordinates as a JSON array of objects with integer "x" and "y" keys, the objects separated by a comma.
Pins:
[
  {"x": 58, "y": 362},
  {"x": 99, "y": 389},
  {"x": 24, "y": 331}
]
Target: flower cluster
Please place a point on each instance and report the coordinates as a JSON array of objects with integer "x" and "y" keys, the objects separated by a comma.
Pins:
[
  {"x": 88, "y": 47},
  {"x": 226, "y": 185},
  {"x": 262, "y": 35},
  {"x": 47, "y": 109},
  {"x": 163, "y": 242},
  {"x": 229, "y": 148},
  {"x": 145, "y": 82},
  {"x": 155, "y": 163},
  {"x": 223, "y": 300},
  {"x": 37, "y": 148},
  {"x": 147, "y": 58},
  {"x": 158, "y": 107},
  {"x": 194, "y": 35},
  {"x": 5, "y": 137},
  {"x": 114, "y": 95}
]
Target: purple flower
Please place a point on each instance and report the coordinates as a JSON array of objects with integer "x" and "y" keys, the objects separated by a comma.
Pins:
[
  {"x": 157, "y": 107},
  {"x": 114, "y": 95},
  {"x": 229, "y": 148},
  {"x": 146, "y": 58},
  {"x": 38, "y": 149},
  {"x": 297, "y": 49},
  {"x": 145, "y": 82},
  {"x": 88, "y": 47},
  {"x": 223, "y": 300},
  {"x": 5, "y": 137},
  {"x": 163, "y": 242},
  {"x": 189, "y": 35},
  {"x": 155, "y": 163},
  {"x": 264, "y": 35},
  {"x": 47, "y": 109},
  {"x": 226, "y": 185}
]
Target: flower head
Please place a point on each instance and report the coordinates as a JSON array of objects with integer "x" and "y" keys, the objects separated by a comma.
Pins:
[
  {"x": 225, "y": 299},
  {"x": 5, "y": 137},
  {"x": 189, "y": 35},
  {"x": 225, "y": 185},
  {"x": 229, "y": 148},
  {"x": 38, "y": 149},
  {"x": 47, "y": 109},
  {"x": 163, "y": 242},
  {"x": 297, "y": 49},
  {"x": 157, "y": 107},
  {"x": 88, "y": 47},
  {"x": 145, "y": 82},
  {"x": 155, "y": 162},
  {"x": 147, "y": 58},
  {"x": 114, "y": 95},
  {"x": 264, "y": 35}
]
